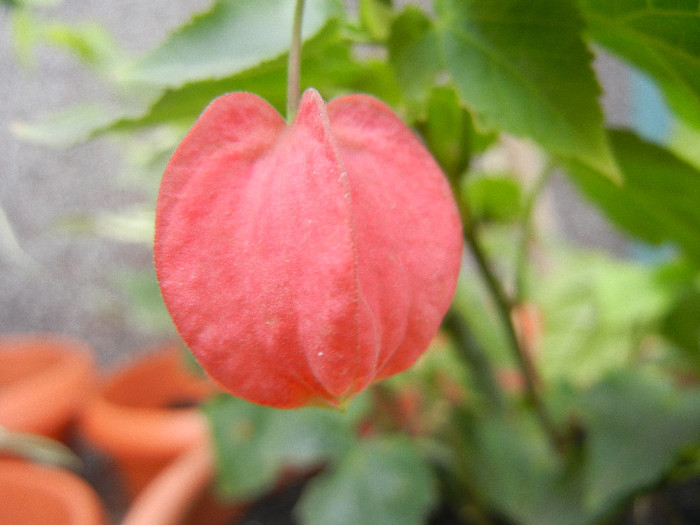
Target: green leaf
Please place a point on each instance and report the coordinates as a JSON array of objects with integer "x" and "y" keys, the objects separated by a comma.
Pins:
[
  {"x": 596, "y": 311},
  {"x": 493, "y": 197},
  {"x": 657, "y": 201},
  {"x": 682, "y": 326},
  {"x": 637, "y": 427},
  {"x": 10, "y": 249},
  {"x": 378, "y": 482},
  {"x": 511, "y": 468},
  {"x": 69, "y": 127},
  {"x": 327, "y": 64},
  {"x": 26, "y": 32},
  {"x": 254, "y": 444},
  {"x": 90, "y": 42},
  {"x": 684, "y": 142},
  {"x": 133, "y": 226},
  {"x": 447, "y": 129},
  {"x": 234, "y": 35},
  {"x": 414, "y": 52},
  {"x": 30, "y": 3},
  {"x": 521, "y": 66},
  {"x": 661, "y": 38},
  {"x": 376, "y": 16}
]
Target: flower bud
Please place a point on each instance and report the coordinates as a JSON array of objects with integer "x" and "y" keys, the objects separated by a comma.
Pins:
[{"x": 302, "y": 262}]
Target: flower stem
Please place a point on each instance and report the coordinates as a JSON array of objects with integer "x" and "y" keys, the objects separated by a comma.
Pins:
[
  {"x": 294, "y": 64},
  {"x": 504, "y": 307}
]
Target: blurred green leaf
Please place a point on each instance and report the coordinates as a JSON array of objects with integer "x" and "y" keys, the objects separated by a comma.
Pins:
[
  {"x": 71, "y": 126},
  {"x": 595, "y": 311},
  {"x": 511, "y": 468},
  {"x": 661, "y": 38},
  {"x": 378, "y": 481},
  {"x": 681, "y": 326},
  {"x": 132, "y": 226},
  {"x": 255, "y": 444},
  {"x": 327, "y": 64},
  {"x": 657, "y": 202},
  {"x": 90, "y": 42},
  {"x": 522, "y": 67},
  {"x": 447, "y": 130},
  {"x": 684, "y": 142},
  {"x": 28, "y": 3},
  {"x": 232, "y": 36},
  {"x": 31, "y": 3},
  {"x": 25, "y": 34},
  {"x": 636, "y": 428},
  {"x": 376, "y": 16},
  {"x": 493, "y": 197},
  {"x": 414, "y": 52},
  {"x": 10, "y": 249}
]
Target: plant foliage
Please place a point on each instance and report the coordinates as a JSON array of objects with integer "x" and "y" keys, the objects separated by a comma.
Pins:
[{"x": 609, "y": 346}]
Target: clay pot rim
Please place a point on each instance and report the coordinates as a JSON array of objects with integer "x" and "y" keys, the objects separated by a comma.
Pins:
[
  {"x": 140, "y": 430},
  {"x": 167, "y": 497},
  {"x": 68, "y": 348},
  {"x": 45, "y": 399},
  {"x": 130, "y": 366},
  {"x": 54, "y": 339},
  {"x": 64, "y": 487}
]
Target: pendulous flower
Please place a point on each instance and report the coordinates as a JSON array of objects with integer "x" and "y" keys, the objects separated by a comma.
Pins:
[{"x": 302, "y": 262}]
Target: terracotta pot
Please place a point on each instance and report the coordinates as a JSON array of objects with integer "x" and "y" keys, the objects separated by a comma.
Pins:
[
  {"x": 44, "y": 382},
  {"x": 181, "y": 495},
  {"x": 145, "y": 415},
  {"x": 31, "y": 494}
]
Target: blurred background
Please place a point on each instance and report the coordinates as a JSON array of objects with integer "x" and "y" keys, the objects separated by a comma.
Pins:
[
  {"x": 60, "y": 270},
  {"x": 52, "y": 277}
]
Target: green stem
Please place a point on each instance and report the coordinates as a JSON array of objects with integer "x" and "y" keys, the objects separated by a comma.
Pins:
[
  {"x": 294, "y": 64},
  {"x": 527, "y": 233},
  {"x": 504, "y": 306},
  {"x": 471, "y": 352},
  {"x": 38, "y": 449}
]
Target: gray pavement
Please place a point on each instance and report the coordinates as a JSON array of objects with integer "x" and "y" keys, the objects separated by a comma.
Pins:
[{"x": 51, "y": 280}]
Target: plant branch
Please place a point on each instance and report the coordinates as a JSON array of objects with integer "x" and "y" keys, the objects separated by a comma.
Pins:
[
  {"x": 504, "y": 307},
  {"x": 38, "y": 448},
  {"x": 294, "y": 64},
  {"x": 527, "y": 232},
  {"x": 470, "y": 350}
]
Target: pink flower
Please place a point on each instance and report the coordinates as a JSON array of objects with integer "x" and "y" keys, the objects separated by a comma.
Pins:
[{"x": 302, "y": 262}]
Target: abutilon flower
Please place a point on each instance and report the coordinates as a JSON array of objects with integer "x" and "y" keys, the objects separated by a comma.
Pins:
[{"x": 302, "y": 262}]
